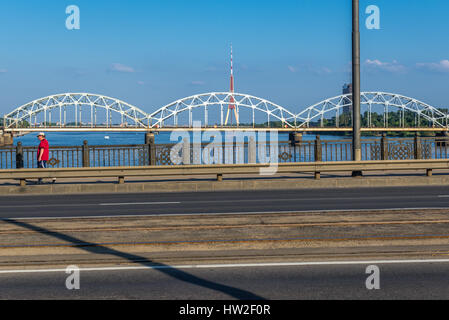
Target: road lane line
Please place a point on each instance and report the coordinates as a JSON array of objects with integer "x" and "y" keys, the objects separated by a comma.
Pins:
[
  {"x": 236, "y": 265},
  {"x": 84, "y": 204},
  {"x": 137, "y": 203}
]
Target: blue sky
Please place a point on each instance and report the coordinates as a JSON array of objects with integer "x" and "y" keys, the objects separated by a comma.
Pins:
[{"x": 149, "y": 53}]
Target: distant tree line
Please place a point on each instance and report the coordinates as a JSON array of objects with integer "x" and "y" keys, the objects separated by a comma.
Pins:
[{"x": 394, "y": 119}]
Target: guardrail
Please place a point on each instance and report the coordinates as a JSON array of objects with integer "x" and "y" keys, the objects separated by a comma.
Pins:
[{"x": 219, "y": 170}]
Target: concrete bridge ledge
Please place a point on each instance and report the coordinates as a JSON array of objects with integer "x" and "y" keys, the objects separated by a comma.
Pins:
[{"x": 227, "y": 185}]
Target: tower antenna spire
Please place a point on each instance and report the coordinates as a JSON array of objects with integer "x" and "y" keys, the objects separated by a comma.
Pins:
[{"x": 232, "y": 107}]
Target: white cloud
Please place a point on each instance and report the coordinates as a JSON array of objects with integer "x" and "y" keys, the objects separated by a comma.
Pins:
[
  {"x": 118, "y": 67},
  {"x": 442, "y": 66},
  {"x": 292, "y": 69},
  {"x": 140, "y": 83},
  {"x": 393, "y": 67},
  {"x": 3, "y": 71}
]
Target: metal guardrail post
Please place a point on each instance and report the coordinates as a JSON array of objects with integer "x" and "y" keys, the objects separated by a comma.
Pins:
[
  {"x": 252, "y": 151},
  {"x": 418, "y": 147},
  {"x": 384, "y": 147},
  {"x": 85, "y": 152},
  {"x": 150, "y": 141},
  {"x": 19, "y": 156}
]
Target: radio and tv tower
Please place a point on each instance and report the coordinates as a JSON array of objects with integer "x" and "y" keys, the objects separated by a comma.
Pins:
[{"x": 232, "y": 107}]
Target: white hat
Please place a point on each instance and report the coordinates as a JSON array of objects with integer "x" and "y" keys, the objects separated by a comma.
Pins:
[{"x": 41, "y": 134}]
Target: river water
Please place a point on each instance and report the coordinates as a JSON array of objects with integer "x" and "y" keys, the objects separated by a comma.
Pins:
[{"x": 127, "y": 138}]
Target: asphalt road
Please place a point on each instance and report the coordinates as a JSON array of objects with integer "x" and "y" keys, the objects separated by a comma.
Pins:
[
  {"x": 222, "y": 202},
  {"x": 406, "y": 280},
  {"x": 397, "y": 281}
]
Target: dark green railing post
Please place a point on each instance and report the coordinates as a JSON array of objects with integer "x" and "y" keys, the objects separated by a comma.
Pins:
[
  {"x": 296, "y": 141},
  {"x": 318, "y": 155},
  {"x": 418, "y": 147},
  {"x": 384, "y": 147},
  {"x": 19, "y": 156},
  {"x": 150, "y": 142},
  {"x": 318, "y": 149},
  {"x": 85, "y": 152}
]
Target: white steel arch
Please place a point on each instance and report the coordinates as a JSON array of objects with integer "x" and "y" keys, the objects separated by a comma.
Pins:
[
  {"x": 83, "y": 105},
  {"x": 220, "y": 100},
  {"x": 369, "y": 100},
  {"x": 52, "y": 109}
]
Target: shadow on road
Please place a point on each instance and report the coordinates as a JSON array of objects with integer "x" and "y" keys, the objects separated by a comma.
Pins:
[{"x": 170, "y": 271}]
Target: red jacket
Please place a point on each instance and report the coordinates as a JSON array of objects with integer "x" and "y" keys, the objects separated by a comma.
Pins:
[{"x": 45, "y": 146}]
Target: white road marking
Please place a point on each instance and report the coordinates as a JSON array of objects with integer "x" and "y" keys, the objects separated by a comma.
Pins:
[
  {"x": 242, "y": 265},
  {"x": 136, "y": 203},
  {"x": 443, "y": 196},
  {"x": 62, "y": 205}
]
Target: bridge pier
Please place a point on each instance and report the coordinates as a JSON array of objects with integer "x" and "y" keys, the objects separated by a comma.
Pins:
[
  {"x": 295, "y": 138},
  {"x": 6, "y": 139}
]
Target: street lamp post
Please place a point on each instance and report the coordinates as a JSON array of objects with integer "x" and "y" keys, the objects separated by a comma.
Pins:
[{"x": 356, "y": 118}]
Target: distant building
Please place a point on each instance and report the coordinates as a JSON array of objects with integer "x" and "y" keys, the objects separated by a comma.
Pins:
[{"x": 347, "y": 89}]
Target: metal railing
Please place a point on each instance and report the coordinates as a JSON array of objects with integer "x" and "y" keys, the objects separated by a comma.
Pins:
[
  {"x": 119, "y": 155},
  {"x": 238, "y": 153},
  {"x": 7, "y": 157}
]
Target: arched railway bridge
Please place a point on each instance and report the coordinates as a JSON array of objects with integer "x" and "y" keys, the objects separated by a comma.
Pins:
[{"x": 93, "y": 112}]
